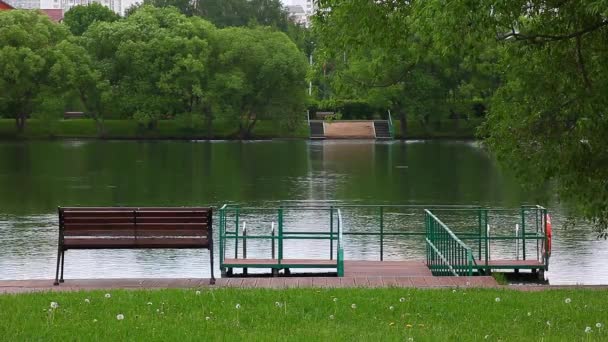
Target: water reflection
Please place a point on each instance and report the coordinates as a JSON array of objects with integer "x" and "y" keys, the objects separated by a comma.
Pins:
[{"x": 36, "y": 177}]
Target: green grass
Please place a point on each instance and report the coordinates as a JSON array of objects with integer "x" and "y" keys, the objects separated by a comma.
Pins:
[
  {"x": 169, "y": 129},
  {"x": 444, "y": 129},
  {"x": 128, "y": 129},
  {"x": 307, "y": 314}
]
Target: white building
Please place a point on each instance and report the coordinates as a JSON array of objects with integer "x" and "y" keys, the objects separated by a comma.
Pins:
[
  {"x": 65, "y": 5},
  {"x": 24, "y": 4},
  {"x": 301, "y": 11}
]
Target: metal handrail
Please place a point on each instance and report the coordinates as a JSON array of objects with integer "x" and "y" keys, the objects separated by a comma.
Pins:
[
  {"x": 340, "y": 246},
  {"x": 447, "y": 252}
]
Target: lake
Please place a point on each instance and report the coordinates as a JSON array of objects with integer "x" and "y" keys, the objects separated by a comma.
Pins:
[{"x": 38, "y": 176}]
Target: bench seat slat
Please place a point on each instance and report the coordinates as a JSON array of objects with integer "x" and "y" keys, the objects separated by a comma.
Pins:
[
  {"x": 100, "y": 232},
  {"x": 101, "y": 243},
  {"x": 97, "y": 213}
]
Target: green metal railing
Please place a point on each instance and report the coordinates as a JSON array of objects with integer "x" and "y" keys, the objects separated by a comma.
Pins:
[
  {"x": 446, "y": 253},
  {"x": 468, "y": 224},
  {"x": 381, "y": 228},
  {"x": 391, "y": 128},
  {"x": 231, "y": 219}
]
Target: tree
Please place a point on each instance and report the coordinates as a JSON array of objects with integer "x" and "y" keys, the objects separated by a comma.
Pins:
[
  {"x": 260, "y": 75},
  {"x": 80, "y": 17},
  {"x": 547, "y": 120},
  {"x": 27, "y": 42},
  {"x": 386, "y": 60},
  {"x": 74, "y": 70},
  {"x": 155, "y": 61}
]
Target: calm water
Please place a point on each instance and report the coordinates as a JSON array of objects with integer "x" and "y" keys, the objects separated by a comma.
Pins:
[{"x": 36, "y": 177}]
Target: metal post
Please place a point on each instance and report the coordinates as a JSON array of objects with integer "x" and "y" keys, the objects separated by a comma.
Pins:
[
  {"x": 272, "y": 239},
  {"x": 244, "y": 245},
  {"x": 523, "y": 232},
  {"x": 280, "y": 235},
  {"x": 331, "y": 233},
  {"x": 381, "y": 233},
  {"x": 236, "y": 234},
  {"x": 489, "y": 251},
  {"x": 479, "y": 230},
  {"x": 517, "y": 241}
]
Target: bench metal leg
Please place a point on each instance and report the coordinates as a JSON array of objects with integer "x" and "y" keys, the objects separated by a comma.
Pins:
[
  {"x": 57, "y": 271},
  {"x": 62, "y": 262},
  {"x": 212, "y": 280}
]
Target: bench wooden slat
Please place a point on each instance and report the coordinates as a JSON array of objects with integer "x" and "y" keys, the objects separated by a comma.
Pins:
[
  {"x": 97, "y": 213},
  {"x": 101, "y": 243},
  {"x": 100, "y": 232},
  {"x": 183, "y": 213},
  {"x": 184, "y": 219},
  {"x": 99, "y": 226},
  {"x": 171, "y": 232}
]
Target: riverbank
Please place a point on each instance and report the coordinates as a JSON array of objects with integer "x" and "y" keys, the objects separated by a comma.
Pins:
[
  {"x": 170, "y": 129},
  {"x": 306, "y": 314}
]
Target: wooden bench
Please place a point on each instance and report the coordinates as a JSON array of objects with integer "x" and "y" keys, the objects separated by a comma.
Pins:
[
  {"x": 73, "y": 115},
  {"x": 133, "y": 228}
]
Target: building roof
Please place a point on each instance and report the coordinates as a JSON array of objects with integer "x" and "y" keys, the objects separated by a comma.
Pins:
[
  {"x": 56, "y": 15},
  {"x": 5, "y": 6}
]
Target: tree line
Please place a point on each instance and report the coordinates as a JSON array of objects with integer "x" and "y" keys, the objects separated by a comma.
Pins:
[{"x": 152, "y": 64}]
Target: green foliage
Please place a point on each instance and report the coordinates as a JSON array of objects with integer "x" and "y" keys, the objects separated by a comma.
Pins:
[
  {"x": 260, "y": 75},
  {"x": 27, "y": 42},
  {"x": 537, "y": 66},
  {"x": 385, "y": 61},
  {"x": 80, "y": 17}
]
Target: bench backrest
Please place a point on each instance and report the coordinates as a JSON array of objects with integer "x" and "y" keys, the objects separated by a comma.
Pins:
[{"x": 135, "y": 221}]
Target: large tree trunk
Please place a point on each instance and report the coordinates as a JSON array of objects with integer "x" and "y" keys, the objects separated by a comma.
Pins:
[
  {"x": 208, "y": 117},
  {"x": 20, "y": 122}
]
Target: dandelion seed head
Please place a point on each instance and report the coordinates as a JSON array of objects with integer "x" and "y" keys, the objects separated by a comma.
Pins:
[
  {"x": 567, "y": 300},
  {"x": 588, "y": 330},
  {"x": 94, "y": 320},
  {"x": 157, "y": 310},
  {"x": 410, "y": 339},
  {"x": 401, "y": 299},
  {"x": 107, "y": 295},
  {"x": 54, "y": 305},
  {"x": 391, "y": 323},
  {"x": 354, "y": 306},
  {"x": 238, "y": 306},
  {"x": 391, "y": 308},
  {"x": 529, "y": 314},
  {"x": 598, "y": 325},
  {"x": 120, "y": 317},
  {"x": 335, "y": 299},
  {"x": 277, "y": 304},
  {"x": 486, "y": 337},
  {"x": 549, "y": 323},
  {"x": 198, "y": 293},
  {"x": 331, "y": 317},
  {"x": 497, "y": 299},
  {"x": 149, "y": 303},
  {"x": 207, "y": 318},
  {"x": 87, "y": 300}
]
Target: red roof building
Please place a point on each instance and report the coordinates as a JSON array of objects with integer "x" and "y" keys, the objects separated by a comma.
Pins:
[
  {"x": 56, "y": 15},
  {"x": 4, "y": 6}
]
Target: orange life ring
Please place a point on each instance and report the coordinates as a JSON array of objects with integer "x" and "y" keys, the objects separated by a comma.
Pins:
[{"x": 549, "y": 234}]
